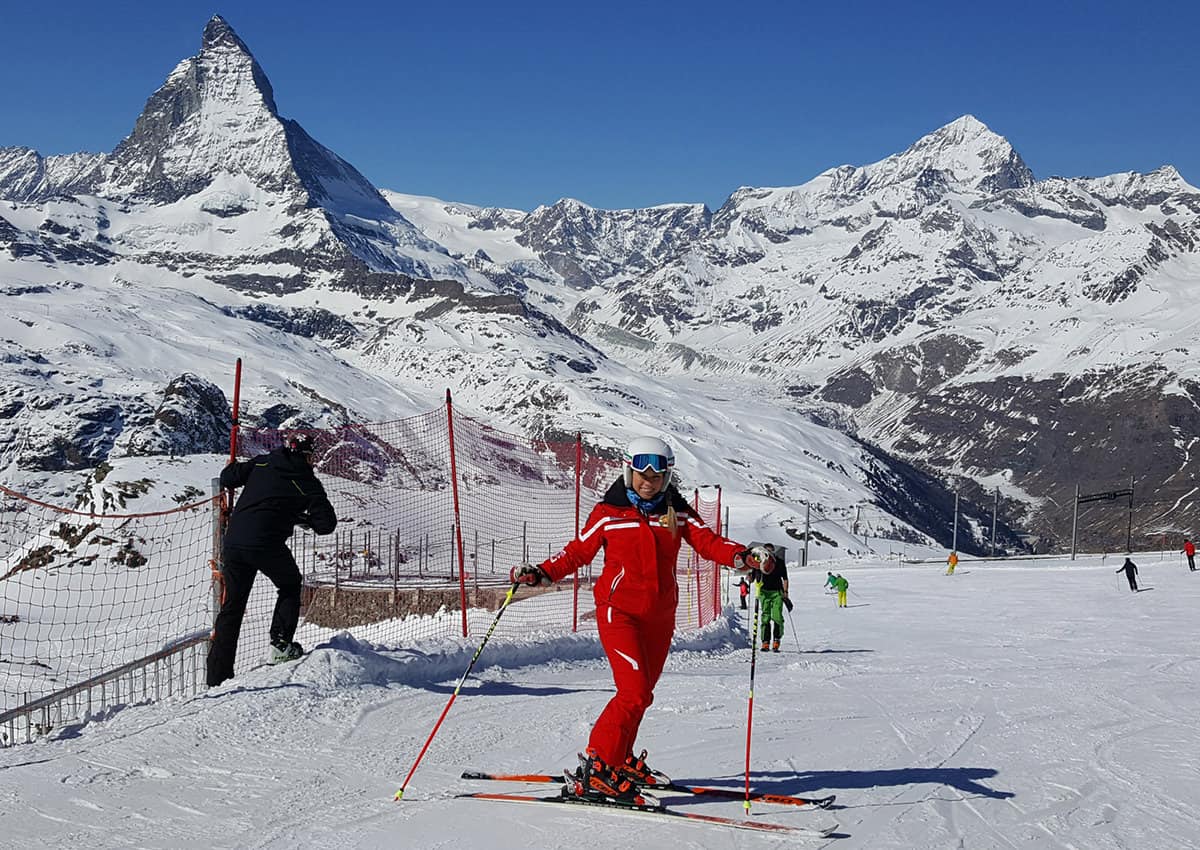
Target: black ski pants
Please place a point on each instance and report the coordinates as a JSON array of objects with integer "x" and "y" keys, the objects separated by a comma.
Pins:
[{"x": 241, "y": 564}]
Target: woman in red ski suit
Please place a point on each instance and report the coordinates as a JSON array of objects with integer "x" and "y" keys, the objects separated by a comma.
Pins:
[{"x": 640, "y": 524}]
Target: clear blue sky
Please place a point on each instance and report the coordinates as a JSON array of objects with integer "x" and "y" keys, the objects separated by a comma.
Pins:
[{"x": 626, "y": 104}]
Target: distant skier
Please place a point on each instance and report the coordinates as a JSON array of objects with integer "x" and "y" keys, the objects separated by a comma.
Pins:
[
  {"x": 841, "y": 586},
  {"x": 830, "y": 581},
  {"x": 952, "y": 562},
  {"x": 743, "y": 590},
  {"x": 772, "y": 582},
  {"x": 1189, "y": 549},
  {"x": 1130, "y": 570}
]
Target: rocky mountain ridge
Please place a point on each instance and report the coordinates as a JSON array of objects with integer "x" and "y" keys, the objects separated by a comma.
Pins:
[{"x": 942, "y": 305}]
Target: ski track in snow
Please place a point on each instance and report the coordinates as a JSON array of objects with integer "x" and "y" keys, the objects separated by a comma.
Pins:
[{"x": 1031, "y": 707}]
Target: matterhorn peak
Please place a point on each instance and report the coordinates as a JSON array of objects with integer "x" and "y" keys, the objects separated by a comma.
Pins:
[
  {"x": 219, "y": 34},
  {"x": 220, "y": 39},
  {"x": 214, "y": 114}
]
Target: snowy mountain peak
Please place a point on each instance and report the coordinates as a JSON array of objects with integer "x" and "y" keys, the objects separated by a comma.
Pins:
[
  {"x": 964, "y": 157},
  {"x": 220, "y": 39},
  {"x": 1137, "y": 190},
  {"x": 219, "y": 34},
  {"x": 964, "y": 127},
  {"x": 211, "y": 141},
  {"x": 215, "y": 113},
  {"x": 1169, "y": 173},
  {"x": 965, "y": 153},
  {"x": 214, "y": 123}
]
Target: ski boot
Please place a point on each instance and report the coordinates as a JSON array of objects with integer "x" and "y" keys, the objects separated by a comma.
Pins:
[
  {"x": 641, "y": 774},
  {"x": 283, "y": 650},
  {"x": 596, "y": 781},
  {"x": 775, "y": 646}
]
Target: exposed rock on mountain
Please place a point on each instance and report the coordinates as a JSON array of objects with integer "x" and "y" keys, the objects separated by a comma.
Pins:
[
  {"x": 585, "y": 245},
  {"x": 192, "y": 418},
  {"x": 957, "y": 318}
]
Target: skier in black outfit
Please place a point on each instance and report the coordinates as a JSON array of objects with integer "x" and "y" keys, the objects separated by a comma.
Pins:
[
  {"x": 1130, "y": 570},
  {"x": 279, "y": 492}
]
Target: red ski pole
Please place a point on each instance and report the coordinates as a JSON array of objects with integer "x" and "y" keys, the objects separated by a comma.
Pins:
[
  {"x": 507, "y": 599},
  {"x": 750, "y": 710}
]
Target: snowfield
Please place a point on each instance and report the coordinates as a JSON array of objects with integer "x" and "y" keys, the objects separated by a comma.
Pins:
[{"x": 1030, "y": 704}]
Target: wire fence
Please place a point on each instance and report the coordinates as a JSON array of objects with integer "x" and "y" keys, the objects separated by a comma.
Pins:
[{"x": 83, "y": 593}]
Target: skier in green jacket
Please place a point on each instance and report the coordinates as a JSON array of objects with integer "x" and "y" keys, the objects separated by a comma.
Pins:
[
  {"x": 841, "y": 586},
  {"x": 772, "y": 583}
]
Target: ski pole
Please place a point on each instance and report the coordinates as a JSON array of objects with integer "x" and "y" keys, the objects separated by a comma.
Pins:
[
  {"x": 750, "y": 710},
  {"x": 507, "y": 599},
  {"x": 792, "y": 625}
]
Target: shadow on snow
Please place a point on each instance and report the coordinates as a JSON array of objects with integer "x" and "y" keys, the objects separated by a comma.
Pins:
[
  {"x": 965, "y": 779},
  {"x": 505, "y": 689}
]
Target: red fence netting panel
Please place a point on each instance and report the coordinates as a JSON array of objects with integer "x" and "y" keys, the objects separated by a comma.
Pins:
[
  {"x": 82, "y": 594},
  {"x": 699, "y": 579},
  {"x": 389, "y": 483},
  {"x": 394, "y": 561},
  {"x": 518, "y": 502}
]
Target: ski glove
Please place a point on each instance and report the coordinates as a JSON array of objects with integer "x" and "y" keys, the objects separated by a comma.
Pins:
[
  {"x": 753, "y": 558},
  {"x": 787, "y": 603},
  {"x": 529, "y": 575}
]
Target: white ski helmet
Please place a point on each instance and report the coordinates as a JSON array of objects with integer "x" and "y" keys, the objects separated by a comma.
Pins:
[{"x": 649, "y": 453}]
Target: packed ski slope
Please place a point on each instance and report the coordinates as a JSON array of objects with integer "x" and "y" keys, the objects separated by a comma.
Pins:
[{"x": 1036, "y": 704}]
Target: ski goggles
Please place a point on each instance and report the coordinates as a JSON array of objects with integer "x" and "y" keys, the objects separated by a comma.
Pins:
[{"x": 648, "y": 462}]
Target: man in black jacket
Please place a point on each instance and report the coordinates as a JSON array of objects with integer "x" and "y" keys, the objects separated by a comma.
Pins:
[
  {"x": 279, "y": 492},
  {"x": 1130, "y": 570}
]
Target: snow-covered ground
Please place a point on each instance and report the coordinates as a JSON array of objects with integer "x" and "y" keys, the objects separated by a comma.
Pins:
[{"x": 1034, "y": 704}]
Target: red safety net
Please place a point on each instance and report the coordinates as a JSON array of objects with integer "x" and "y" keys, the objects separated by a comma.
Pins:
[{"x": 412, "y": 559}]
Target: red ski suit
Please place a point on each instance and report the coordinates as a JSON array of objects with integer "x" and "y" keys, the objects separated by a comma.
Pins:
[{"x": 636, "y": 596}]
